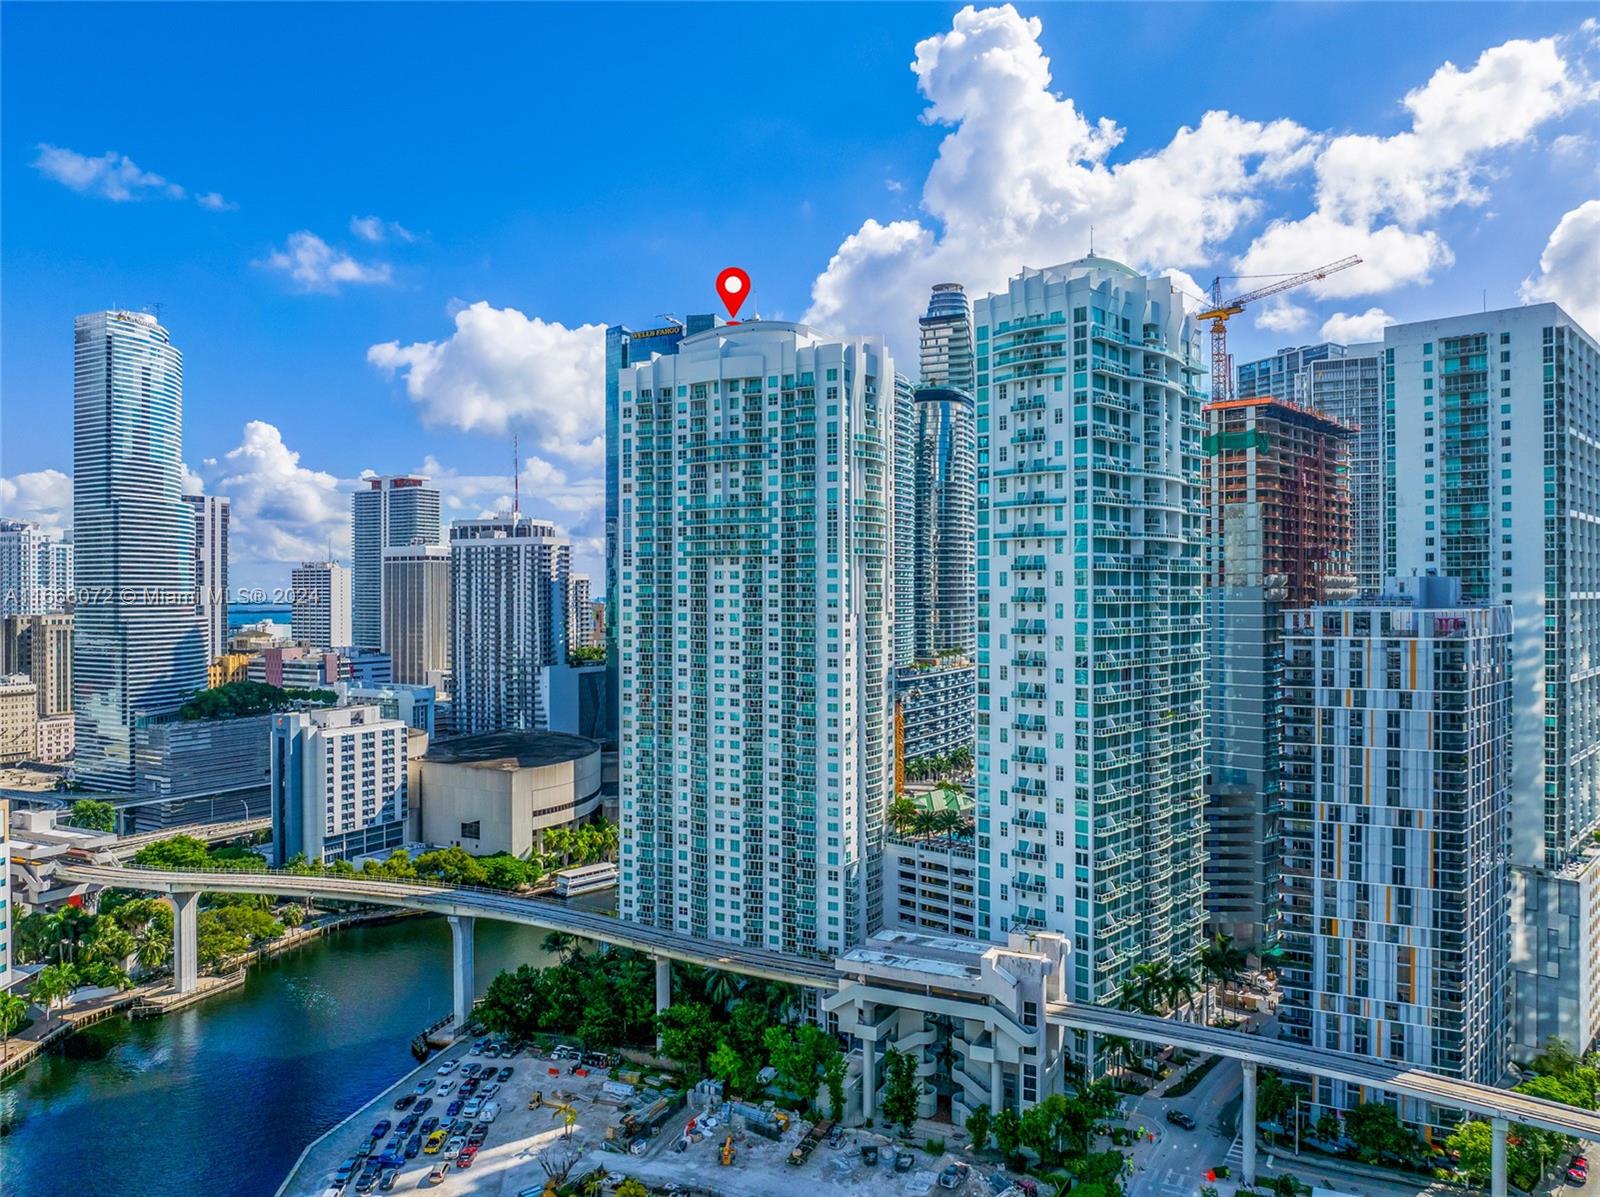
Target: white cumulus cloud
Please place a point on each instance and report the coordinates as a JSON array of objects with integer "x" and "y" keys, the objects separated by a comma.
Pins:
[
  {"x": 1350, "y": 328},
  {"x": 42, "y": 497},
  {"x": 282, "y": 512},
  {"x": 501, "y": 370},
  {"x": 1023, "y": 175},
  {"x": 1375, "y": 196},
  {"x": 314, "y": 265},
  {"x": 214, "y": 201},
  {"x": 1569, "y": 268}
]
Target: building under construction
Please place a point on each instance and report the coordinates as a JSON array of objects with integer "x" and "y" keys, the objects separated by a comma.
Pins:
[{"x": 1278, "y": 537}]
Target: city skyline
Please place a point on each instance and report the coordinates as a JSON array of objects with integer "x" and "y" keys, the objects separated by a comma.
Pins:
[{"x": 319, "y": 335}]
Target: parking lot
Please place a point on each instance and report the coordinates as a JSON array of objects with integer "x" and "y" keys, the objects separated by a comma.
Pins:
[{"x": 593, "y": 1120}]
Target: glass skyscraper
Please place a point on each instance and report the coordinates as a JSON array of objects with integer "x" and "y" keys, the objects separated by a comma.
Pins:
[
  {"x": 138, "y": 645},
  {"x": 387, "y": 512},
  {"x": 1091, "y": 679},
  {"x": 755, "y": 613}
]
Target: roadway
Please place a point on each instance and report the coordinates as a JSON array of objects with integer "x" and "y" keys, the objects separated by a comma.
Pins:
[
  {"x": 468, "y": 902},
  {"x": 1484, "y": 1100},
  {"x": 209, "y": 833}
]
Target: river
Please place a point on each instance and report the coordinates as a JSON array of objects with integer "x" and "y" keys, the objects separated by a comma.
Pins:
[{"x": 221, "y": 1098}]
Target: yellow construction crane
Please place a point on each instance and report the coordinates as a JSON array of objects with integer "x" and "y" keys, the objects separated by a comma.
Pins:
[{"x": 1222, "y": 310}]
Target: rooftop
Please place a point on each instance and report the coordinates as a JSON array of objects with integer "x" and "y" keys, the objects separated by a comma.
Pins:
[{"x": 511, "y": 750}]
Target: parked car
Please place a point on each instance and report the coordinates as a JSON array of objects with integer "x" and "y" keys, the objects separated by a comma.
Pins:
[
  {"x": 444, "y": 1089},
  {"x": 454, "y": 1108},
  {"x": 428, "y": 1125},
  {"x": 477, "y": 1048},
  {"x": 490, "y": 1111},
  {"x": 466, "y": 1156},
  {"x": 386, "y": 1181},
  {"x": 423, "y": 1086},
  {"x": 448, "y": 1067},
  {"x": 1179, "y": 1118},
  {"x": 425, "y": 1105},
  {"x": 439, "y": 1172},
  {"x": 408, "y": 1124},
  {"x": 404, "y": 1101},
  {"x": 489, "y": 1090},
  {"x": 413, "y": 1146},
  {"x": 1577, "y": 1175},
  {"x": 470, "y": 1110},
  {"x": 434, "y": 1143},
  {"x": 904, "y": 1159},
  {"x": 380, "y": 1129},
  {"x": 953, "y": 1176},
  {"x": 453, "y": 1147},
  {"x": 505, "y": 1074}
]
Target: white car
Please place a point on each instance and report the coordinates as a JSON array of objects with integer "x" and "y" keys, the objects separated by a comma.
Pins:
[
  {"x": 490, "y": 1111},
  {"x": 448, "y": 1067},
  {"x": 472, "y": 1108},
  {"x": 453, "y": 1147},
  {"x": 445, "y": 1089},
  {"x": 489, "y": 1090}
]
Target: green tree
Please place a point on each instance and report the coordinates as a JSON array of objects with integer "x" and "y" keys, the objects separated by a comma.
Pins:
[
  {"x": 722, "y": 987},
  {"x": 1008, "y": 1132},
  {"x": 504, "y": 871},
  {"x": 178, "y": 852},
  {"x": 902, "y": 1089},
  {"x": 1274, "y": 1099},
  {"x": 292, "y": 915},
  {"x": 587, "y": 654},
  {"x": 1379, "y": 1135},
  {"x": 736, "y": 1071},
  {"x": 833, "y": 1074},
  {"x": 53, "y": 983},
  {"x": 239, "y": 699},
  {"x": 510, "y": 1004},
  {"x": 93, "y": 815},
  {"x": 452, "y": 866},
  {"x": 902, "y": 814},
  {"x": 688, "y": 1036},
  {"x": 979, "y": 1123},
  {"x": 632, "y": 1188},
  {"x": 13, "y": 1013}
]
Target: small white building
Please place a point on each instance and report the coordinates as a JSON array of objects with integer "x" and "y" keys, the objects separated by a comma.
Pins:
[
  {"x": 500, "y": 792},
  {"x": 913, "y": 993}
]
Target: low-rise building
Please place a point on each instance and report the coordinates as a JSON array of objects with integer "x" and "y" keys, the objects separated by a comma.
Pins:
[
  {"x": 339, "y": 783},
  {"x": 499, "y": 792},
  {"x": 977, "y": 1004},
  {"x": 53, "y": 739},
  {"x": 19, "y": 718},
  {"x": 930, "y": 885},
  {"x": 228, "y": 668},
  {"x": 415, "y": 706}
]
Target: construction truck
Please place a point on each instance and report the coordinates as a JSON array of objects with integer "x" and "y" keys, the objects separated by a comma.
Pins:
[
  {"x": 807, "y": 1145},
  {"x": 727, "y": 1150}
]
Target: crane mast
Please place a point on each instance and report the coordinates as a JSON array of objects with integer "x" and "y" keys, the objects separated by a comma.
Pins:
[{"x": 1221, "y": 311}]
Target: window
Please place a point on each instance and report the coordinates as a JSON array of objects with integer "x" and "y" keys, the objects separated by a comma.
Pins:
[{"x": 472, "y": 830}]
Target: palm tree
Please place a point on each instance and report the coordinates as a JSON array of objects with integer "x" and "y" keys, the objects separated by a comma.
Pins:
[
  {"x": 1179, "y": 988},
  {"x": 722, "y": 987},
  {"x": 1118, "y": 1049},
  {"x": 1222, "y": 962},
  {"x": 561, "y": 943},
  {"x": 13, "y": 1012},
  {"x": 902, "y": 812},
  {"x": 948, "y": 822},
  {"x": 1151, "y": 978},
  {"x": 53, "y": 983}
]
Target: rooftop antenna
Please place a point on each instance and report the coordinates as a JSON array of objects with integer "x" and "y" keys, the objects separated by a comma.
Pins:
[
  {"x": 1091, "y": 241},
  {"x": 516, "y": 476}
]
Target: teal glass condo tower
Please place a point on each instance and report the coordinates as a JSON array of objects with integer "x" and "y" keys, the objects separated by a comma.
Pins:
[
  {"x": 756, "y": 616},
  {"x": 1091, "y": 734}
]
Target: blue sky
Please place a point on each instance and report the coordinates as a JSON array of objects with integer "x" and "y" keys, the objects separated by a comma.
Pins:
[{"x": 400, "y": 227}]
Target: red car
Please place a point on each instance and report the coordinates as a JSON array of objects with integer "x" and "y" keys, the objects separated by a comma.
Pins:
[{"x": 465, "y": 1157}]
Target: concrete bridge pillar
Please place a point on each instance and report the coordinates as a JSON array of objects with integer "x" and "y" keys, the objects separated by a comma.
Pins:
[
  {"x": 185, "y": 940},
  {"x": 461, "y": 936},
  {"x": 1247, "y": 1125},
  {"x": 869, "y": 1079},
  {"x": 1497, "y": 1157},
  {"x": 663, "y": 988}
]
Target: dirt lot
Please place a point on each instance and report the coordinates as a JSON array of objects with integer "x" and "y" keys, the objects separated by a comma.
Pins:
[{"x": 521, "y": 1139}]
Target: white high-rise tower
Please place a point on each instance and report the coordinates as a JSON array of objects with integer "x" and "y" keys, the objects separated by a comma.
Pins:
[
  {"x": 756, "y": 628},
  {"x": 1091, "y": 737}
]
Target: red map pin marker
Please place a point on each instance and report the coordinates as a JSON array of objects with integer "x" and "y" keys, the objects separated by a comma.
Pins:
[{"x": 733, "y": 285}]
